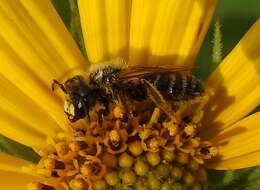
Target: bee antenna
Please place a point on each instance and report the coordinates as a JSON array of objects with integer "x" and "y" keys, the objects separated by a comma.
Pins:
[{"x": 54, "y": 83}]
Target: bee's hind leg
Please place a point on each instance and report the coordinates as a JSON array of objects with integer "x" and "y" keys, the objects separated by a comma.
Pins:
[
  {"x": 159, "y": 101},
  {"x": 103, "y": 112},
  {"x": 57, "y": 83},
  {"x": 127, "y": 107}
]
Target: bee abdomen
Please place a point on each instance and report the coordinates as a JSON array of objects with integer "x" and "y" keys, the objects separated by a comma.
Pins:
[
  {"x": 176, "y": 86},
  {"x": 136, "y": 91}
]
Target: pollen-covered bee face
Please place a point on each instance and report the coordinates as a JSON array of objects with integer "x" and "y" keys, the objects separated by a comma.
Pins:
[
  {"x": 74, "y": 110},
  {"x": 79, "y": 99}
]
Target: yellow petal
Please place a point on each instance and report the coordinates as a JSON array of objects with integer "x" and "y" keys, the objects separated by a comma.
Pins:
[
  {"x": 15, "y": 181},
  {"x": 168, "y": 31},
  {"x": 11, "y": 175},
  {"x": 105, "y": 26},
  {"x": 239, "y": 143},
  {"x": 35, "y": 48},
  {"x": 245, "y": 161},
  {"x": 12, "y": 164},
  {"x": 21, "y": 119},
  {"x": 234, "y": 84}
]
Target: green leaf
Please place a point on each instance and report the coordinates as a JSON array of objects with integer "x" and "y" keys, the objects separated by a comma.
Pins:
[
  {"x": 243, "y": 179},
  {"x": 16, "y": 149}
]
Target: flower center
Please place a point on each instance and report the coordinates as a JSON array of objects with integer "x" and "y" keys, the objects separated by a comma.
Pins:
[{"x": 143, "y": 150}]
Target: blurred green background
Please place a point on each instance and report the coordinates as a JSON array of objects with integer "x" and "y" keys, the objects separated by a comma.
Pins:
[{"x": 235, "y": 17}]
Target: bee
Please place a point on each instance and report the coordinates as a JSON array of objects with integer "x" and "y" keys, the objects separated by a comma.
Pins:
[{"x": 115, "y": 82}]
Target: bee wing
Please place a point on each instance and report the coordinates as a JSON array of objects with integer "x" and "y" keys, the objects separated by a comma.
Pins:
[{"x": 141, "y": 72}]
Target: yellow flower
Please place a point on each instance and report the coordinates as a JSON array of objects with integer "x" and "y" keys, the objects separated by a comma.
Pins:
[{"x": 36, "y": 48}]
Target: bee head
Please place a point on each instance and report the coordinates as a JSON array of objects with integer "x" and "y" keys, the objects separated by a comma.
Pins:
[
  {"x": 76, "y": 110},
  {"x": 78, "y": 107},
  {"x": 79, "y": 100}
]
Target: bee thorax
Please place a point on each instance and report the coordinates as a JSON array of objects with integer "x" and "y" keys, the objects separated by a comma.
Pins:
[{"x": 104, "y": 76}]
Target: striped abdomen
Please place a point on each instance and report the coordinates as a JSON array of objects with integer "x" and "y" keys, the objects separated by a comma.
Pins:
[{"x": 177, "y": 86}]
